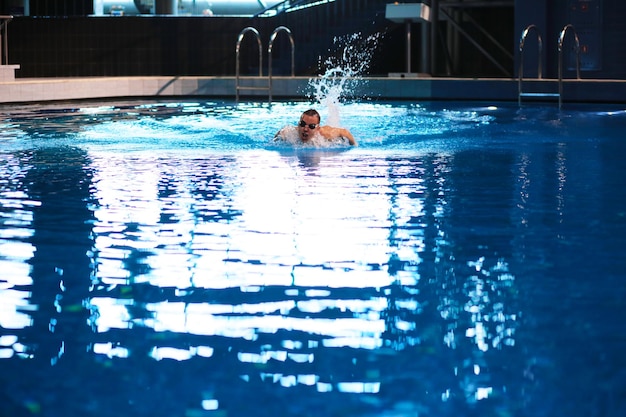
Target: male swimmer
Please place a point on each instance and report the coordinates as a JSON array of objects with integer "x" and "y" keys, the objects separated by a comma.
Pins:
[{"x": 309, "y": 126}]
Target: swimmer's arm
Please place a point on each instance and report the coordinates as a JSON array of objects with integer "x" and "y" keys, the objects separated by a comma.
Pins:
[
  {"x": 279, "y": 135},
  {"x": 346, "y": 134},
  {"x": 331, "y": 133}
]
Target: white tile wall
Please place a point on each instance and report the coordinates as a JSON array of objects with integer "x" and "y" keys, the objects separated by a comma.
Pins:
[{"x": 50, "y": 89}]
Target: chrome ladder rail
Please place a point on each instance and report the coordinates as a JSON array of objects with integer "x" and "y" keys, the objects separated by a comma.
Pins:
[
  {"x": 4, "y": 39},
  {"x": 269, "y": 54},
  {"x": 238, "y": 86},
  {"x": 520, "y": 74},
  {"x": 561, "y": 40},
  {"x": 559, "y": 94}
]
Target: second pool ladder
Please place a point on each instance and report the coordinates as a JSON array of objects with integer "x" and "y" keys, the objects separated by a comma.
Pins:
[
  {"x": 559, "y": 94},
  {"x": 268, "y": 87}
]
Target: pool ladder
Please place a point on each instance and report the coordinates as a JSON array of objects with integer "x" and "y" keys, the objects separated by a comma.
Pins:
[
  {"x": 238, "y": 86},
  {"x": 559, "y": 94}
]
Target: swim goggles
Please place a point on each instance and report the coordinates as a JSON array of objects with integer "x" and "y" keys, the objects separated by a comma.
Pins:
[{"x": 311, "y": 125}]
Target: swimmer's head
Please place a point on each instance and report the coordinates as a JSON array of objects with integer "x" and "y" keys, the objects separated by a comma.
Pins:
[{"x": 308, "y": 125}]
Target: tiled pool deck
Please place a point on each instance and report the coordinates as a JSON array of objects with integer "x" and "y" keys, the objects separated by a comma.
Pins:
[{"x": 391, "y": 88}]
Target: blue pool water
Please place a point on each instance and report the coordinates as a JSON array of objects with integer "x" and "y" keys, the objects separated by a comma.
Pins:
[{"x": 169, "y": 259}]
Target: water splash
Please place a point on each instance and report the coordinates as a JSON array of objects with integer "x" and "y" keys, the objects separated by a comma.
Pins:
[{"x": 344, "y": 69}]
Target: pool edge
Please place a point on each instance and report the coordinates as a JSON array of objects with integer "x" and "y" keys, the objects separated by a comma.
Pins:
[{"x": 385, "y": 88}]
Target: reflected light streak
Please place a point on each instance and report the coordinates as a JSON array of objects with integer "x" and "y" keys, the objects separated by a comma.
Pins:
[
  {"x": 160, "y": 353},
  {"x": 207, "y": 319},
  {"x": 306, "y": 276},
  {"x": 16, "y": 219},
  {"x": 12, "y": 306},
  {"x": 483, "y": 392},
  {"x": 16, "y": 272},
  {"x": 247, "y": 327},
  {"x": 109, "y": 350},
  {"x": 491, "y": 324},
  {"x": 356, "y": 306},
  {"x": 7, "y": 345},
  {"x": 310, "y": 219},
  {"x": 110, "y": 313},
  {"x": 280, "y": 356},
  {"x": 191, "y": 253},
  {"x": 128, "y": 211},
  {"x": 210, "y": 405},
  {"x": 359, "y": 387},
  {"x": 293, "y": 380}
]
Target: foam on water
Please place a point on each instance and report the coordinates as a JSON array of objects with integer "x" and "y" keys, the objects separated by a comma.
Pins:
[{"x": 290, "y": 135}]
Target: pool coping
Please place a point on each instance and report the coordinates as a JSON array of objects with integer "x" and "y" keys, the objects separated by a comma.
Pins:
[{"x": 29, "y": 90}]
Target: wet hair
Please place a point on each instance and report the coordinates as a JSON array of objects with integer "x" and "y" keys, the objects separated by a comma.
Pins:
[{"x": 312, "y": 112}]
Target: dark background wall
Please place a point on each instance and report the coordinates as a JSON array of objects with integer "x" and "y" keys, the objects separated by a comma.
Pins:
[
  {"x": 49, "y": 45},
  {"x": 79, "y": 46},
  {"x": 60, "y": 40}
]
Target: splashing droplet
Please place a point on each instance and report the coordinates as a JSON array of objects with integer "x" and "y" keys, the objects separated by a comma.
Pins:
[{"x": 343, "y": 72}]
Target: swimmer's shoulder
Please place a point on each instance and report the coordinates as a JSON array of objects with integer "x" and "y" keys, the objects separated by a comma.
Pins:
[
  {"x": 286, "y": 134},
  {"x": 337, "y": 133}
]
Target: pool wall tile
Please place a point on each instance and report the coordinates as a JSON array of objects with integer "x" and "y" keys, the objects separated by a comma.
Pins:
[{"x": 384, "y": 88}]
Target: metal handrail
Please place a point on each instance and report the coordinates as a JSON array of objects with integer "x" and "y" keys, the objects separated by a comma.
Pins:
[
  {"x": 567, "y": 28},
  {"x": 269, "y": 64},
  {"x": 237, "y": 52},
  {"x": 269, "y": 53},
  {"x": 561, "y": 40},
  {"x": 4, "y": 56},
  {"x": 522, "y": 43}
]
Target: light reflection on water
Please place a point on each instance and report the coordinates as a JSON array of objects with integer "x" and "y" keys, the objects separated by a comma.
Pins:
[{"x": 179, "y": 232}]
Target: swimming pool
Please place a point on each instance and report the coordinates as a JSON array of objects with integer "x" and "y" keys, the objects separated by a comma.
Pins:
[{"x": 169, "y": 259}]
